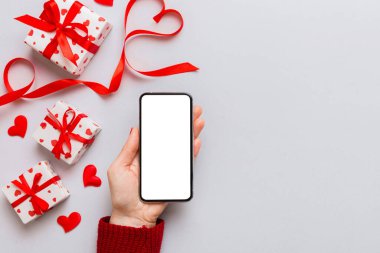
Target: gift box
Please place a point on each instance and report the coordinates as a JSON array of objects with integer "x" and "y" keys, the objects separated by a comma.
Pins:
[
  {"x": 66, "y": 132},
  {"x": 35, "y": 192},
  {"x": 67, "y": 33}
]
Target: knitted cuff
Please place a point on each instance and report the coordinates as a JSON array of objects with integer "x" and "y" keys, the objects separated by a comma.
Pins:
[{"x": 122, "y": 239}]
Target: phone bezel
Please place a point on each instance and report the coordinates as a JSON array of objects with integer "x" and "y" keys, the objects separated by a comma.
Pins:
[{"x": 191, "y": 149}]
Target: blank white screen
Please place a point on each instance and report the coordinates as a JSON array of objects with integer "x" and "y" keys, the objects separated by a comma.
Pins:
[{"x": 166, "y": 147}]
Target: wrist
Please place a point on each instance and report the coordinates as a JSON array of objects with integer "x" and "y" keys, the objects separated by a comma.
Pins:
[{"x": 130, "y": 220}]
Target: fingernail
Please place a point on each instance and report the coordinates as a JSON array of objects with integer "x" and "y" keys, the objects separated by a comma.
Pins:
[{"x": 130, "y": 131}]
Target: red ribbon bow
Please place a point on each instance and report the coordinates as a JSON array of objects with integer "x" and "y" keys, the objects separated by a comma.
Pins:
[
  {"x": 39, "y": 205},
  {"x": 50, "y": 21},
  {"x": 66, "y": 131}
]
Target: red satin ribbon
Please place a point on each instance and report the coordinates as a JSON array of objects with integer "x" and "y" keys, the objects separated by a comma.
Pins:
[
  {"x": 66, "y": 131},
  {"x": 39, "y": 205},
  {"x": 115, "y": 82},
  {"x": 50, "y": 21}
]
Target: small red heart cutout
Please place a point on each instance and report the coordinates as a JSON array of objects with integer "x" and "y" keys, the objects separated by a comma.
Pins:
[
  {"x": 105, "y": 2},
  {"x": 17, "y": 192},
  {"x": 41, "y": 140},
  {"x": 70, "y": 222},
  {"x": 43, "y": 36},
  {"x": 31, "y": 213},
  {"x": 30, "y": 170},
  {"x": 76, "y": 57},
  {"x": 91, "y": 38},
  {"x": 88, "y": 131},
  {"x": 20, "y": 126},
  {"x": 54, "y": 199},
  {"x": 63, "y": 11},
  {"x": 43, "y": 125},
  {"x": 30, "y": 33},
  {"x": 89, "y": 176}
]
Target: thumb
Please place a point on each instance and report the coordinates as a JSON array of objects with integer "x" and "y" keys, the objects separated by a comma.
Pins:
[{"x": 131, "y": 147}]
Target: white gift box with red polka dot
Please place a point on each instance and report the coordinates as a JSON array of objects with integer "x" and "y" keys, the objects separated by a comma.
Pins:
[
  {"x": 53, "y": 194},
  {"x": 98, "y": 29},
  {"x": 48, "y": 136}
]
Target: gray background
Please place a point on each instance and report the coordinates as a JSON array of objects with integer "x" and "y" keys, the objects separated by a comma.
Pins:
[{"x": 290, "y": 159}]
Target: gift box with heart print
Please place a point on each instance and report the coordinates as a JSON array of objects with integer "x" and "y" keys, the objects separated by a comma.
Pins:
[
  {"x": 66, "y": 132},
  {"x": 67, "y": 33},
  {"x": 35, "y": 192}
]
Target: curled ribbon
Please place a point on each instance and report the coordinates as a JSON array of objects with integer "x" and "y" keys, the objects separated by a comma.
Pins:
[
  {"x": 50, "y": 21},
  {"x": 66, "y": 131},
  {"x": 39, "y": 205},
  {"x": 116, "y": 79}
]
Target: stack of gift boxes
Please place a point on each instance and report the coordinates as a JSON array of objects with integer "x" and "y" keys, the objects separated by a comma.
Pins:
[{"x": 65, "y": 131}]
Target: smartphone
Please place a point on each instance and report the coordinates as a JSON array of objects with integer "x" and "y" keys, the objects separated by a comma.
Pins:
[{"x": 166, "y": 147}]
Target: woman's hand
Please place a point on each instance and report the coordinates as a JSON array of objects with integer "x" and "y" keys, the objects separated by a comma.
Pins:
[{"x": 123, "y": 176}]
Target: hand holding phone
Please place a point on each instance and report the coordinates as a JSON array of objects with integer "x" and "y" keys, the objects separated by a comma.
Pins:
[{"x": 123, "y": 176}]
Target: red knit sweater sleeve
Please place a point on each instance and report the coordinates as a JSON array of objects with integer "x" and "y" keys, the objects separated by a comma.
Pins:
[{"x": 121, "y": 239}]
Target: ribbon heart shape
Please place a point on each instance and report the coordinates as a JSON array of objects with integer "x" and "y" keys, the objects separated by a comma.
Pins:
[
  {"x": 39, "y": 205},
  {"x": 50, "y": 21},
  {"x": 116, "y": 79}
]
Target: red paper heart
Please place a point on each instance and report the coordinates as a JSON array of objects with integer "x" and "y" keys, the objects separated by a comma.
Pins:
[
  {"x": 43, "y": 125},
  {"x": 89, "y": 176},
  {"x": 91, "y": 38},
  {"x": 30, "y": 33},
  {"x": 54, "y": 199},
  {"x": 31, "y": 213},
  {"x": 20, "y": 126},
  {"x": 70, "y": 222},
  {"x": 105, "y": 2},
  {"x": 88, "y": 131},
  {"x": 30, "y": 170},
  {"x": 63, "y": 12}
]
